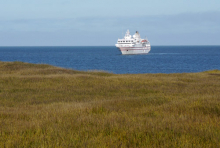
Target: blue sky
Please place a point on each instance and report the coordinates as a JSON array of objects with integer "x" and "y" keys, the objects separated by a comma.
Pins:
[{"x": 101, "y": 23}]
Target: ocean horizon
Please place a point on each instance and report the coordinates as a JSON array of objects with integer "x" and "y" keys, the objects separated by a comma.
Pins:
[{"x": 161, "y": 58}]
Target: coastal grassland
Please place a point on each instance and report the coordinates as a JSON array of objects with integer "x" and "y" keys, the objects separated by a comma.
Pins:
[{"x": 46, "y": 106}]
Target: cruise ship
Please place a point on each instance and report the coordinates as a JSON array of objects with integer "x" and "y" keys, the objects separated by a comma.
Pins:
[{"x": 133, "y": 44}]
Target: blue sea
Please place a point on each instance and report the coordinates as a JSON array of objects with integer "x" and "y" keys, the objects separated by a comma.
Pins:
[{"x": 161, "y": 59}]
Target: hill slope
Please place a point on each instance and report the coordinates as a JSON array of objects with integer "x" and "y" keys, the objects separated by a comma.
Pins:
[{"x": 46, "y": 106}]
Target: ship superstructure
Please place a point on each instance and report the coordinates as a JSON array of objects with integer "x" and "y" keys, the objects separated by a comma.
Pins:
[{"x": 133, "y": 44}]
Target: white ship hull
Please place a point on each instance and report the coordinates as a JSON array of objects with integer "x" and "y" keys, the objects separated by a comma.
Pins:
[
  {"x": 135, "y": 50},
  {"x": 133, "y": 45}
]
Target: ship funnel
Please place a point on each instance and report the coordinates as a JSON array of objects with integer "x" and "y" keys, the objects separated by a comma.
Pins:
[{"x": 136, "y": 35}]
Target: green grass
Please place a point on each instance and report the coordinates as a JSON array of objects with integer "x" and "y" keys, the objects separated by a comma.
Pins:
[{"x": 46, "y": 106}]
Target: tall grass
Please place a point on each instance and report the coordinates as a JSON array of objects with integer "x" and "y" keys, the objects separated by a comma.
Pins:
[{"x": 46, "y": 106}]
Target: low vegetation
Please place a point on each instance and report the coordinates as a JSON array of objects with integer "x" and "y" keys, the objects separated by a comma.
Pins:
[{"x": 46, "y": 106}]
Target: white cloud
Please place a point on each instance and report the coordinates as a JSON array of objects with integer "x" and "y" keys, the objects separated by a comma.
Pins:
[{"x": 193, "y": 27}]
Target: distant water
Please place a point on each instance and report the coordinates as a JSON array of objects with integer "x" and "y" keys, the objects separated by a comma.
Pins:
[{"x": 161, "y": 59}]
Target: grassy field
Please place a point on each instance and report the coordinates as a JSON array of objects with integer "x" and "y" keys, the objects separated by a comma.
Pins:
[{"x": 46, "y": 106}]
